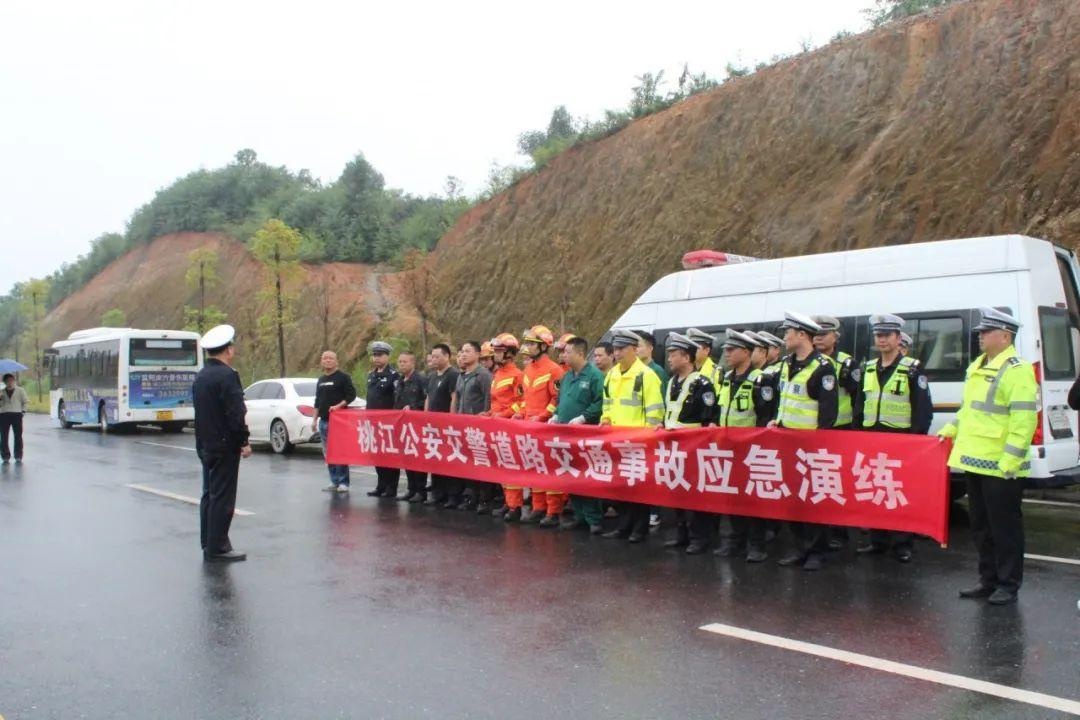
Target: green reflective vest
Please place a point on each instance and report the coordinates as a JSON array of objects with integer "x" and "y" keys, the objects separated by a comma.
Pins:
[
  {"x": 844, "y": 415},
  {"x": 797, "y": 411},
  {"x": 889, "y": 406},
  {"x": 738, "y": 410},
  {"x": 997, "y": 417},
  {"x": 675, "y": 407}
]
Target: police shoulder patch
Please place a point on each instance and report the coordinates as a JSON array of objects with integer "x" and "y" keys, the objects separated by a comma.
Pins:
[
  {"x": 709, "y": 398},
  {"x": 856, "y": 374},
  {"x": 766, "y": 393},
  {"x": 828, "y": 382},
  {"x": 923, "y": 384}
]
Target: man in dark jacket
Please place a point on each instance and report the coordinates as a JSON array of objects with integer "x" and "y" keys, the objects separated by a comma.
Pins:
[
  {"x": 410, "y": 392},
  {"x": 380, "y": 396},
  {"x": 333, "y": 391},
  {"x": 221, "y": 439}
]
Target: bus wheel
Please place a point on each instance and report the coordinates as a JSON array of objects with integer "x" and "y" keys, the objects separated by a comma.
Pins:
[
  {"x": 279, "y": 438},
  {"x": 173, "y": 427},
  {"x": 103, "y": 423},
  {"x": 61, "y": 413}
]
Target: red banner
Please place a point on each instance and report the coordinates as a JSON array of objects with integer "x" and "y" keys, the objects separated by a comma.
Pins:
[{"x": 859, "y": 479}]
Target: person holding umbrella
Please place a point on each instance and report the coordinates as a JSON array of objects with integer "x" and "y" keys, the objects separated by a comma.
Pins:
[{"x": 13, "y": 404}]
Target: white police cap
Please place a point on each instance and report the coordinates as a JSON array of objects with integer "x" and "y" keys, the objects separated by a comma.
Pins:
[
  {"x": 886, "y": 323},
  {"x": 905, "y": 340},
  {"x": 380, "y": 347},
  {"x": 735, "y": 339},
  {"x": 756, "y": 339},
  {"x": 769, "y": 338},
  {"x": 675, "y": 341},
  {"x": 799, "y": 321},
  {"x": 827, "y": 322},
  {"x": 700, "y": 338},
  {"x": 624, "y": 338},
  {"x": 218, "y": 337},
  {"x": 996, "y": 320}
]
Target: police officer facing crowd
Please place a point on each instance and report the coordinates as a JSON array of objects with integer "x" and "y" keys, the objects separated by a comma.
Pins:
[
  {"x": 380, "y": 396},
  {"x": 807, "y": 401},
  {"x": 992, "y": 437},
  {"x": 690, "y": 402},
  {"x": 221, "y": 439},
  {"x": 894, "y": 397}
]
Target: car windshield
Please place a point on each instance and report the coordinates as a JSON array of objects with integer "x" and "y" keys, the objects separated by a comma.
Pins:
[{"x": 304, "y": 389}]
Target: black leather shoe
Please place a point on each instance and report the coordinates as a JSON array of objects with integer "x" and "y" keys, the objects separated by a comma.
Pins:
[
  {"x": 677, "y": 542},
  {"x": 499, "y": 511},
  {"x": 813, "y": 563},
  {"x": 979, "y": 591},
  {"x": 572, "y": 525},
  {"x": 467, "y": 507},
  {"x": 512, "y": 515},
  {"x": 550, "y": 521},
  {"x": 450, "y": 505},
  {"x": 597, "y": 529},
  {"x": 871, "y": 549},
  {"x": 837, "y": 544},
  {"x": 534, "y": 518},
  {"x": 904, "y": 555},
  {"x": 756, "y": 555},
  {"x": 230, "y": 556},
  {"x": 483, "y": 508},
  {"x": 615, "y": 535},
  {"x": 696, "y": 548},
  {"x": 418, "y": 498},
  {"x": 792, "y": 559},
  {"x": 374, "y": 493},
  {"x": 636, "y": 538},
  {"x": 407, "y": 497},
  {"x": 1001, "y": 596}
]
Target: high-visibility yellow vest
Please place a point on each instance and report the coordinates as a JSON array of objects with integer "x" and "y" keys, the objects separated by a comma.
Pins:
[
  {"x": 889, "y": 406},
  {"x": 997, "y": 417},
  {"x": 633, "y": 398},
  {"x": 675, "y": 407},
  {"x": 797, "y": 411},
  {"x": 738, "y": 411},
  {"x": 844, "y": 415}
]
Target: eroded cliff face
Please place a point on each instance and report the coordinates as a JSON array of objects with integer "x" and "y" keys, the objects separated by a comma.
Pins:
[{"x": 959, "y": 123}]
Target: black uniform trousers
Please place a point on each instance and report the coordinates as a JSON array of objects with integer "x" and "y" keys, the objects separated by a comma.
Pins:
[
  {"x": 633, "y": 518},
  {"x": 746, "y": 532},
  {"x": 220, "y": 471},
  {"x": 997, "y": 527},
  {"x": 387, "y": 479},
  {"x": 11, "y": 422},
  {"x": 416, "y": 482},
  {"x": 696, "y": 526}
]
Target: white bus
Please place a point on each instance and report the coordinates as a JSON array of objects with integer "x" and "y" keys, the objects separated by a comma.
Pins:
[
  {"x": 121, "y": 376},
  {"x": 937, "y": 287}
]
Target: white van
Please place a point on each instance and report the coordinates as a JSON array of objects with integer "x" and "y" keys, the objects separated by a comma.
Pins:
[{"x": 937, "y": 287}]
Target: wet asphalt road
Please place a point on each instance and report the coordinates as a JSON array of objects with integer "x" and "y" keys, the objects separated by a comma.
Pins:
[{"x": 351, "y": 607}]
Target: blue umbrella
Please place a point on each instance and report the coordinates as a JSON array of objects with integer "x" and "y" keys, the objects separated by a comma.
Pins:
[{"x": 10, "y": 366}]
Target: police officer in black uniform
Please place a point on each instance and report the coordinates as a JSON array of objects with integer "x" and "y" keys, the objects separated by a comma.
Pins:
[
  {"x": 692, "y": 406},
  {"x": 894, "y": 397},
  {"x": 221, "y": 439},
  {"x": 380, "y": 396},
  {"x": 410, "y": 392}
]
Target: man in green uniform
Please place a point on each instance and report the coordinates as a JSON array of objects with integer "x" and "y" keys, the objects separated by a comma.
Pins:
[
  {"x": 581, "y": 400},
  {"x": 992, "y": 436}
]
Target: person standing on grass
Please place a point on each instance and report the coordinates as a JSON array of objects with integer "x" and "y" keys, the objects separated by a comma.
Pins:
[{"x": 14, "y": 402}]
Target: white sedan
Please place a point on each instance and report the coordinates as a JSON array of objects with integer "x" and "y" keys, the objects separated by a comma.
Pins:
[{"x": 280, "y": 411}]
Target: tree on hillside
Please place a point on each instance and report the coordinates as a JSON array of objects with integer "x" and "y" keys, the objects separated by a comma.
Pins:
[
  {"x": 34, "y": 295},
  {"x": 11, "y": 323},
  {"x": 202, "y": 275},
  {"x": 418, "y": 283},
  {"x": 277, "y": 246},
  {"x": 885, "y": 11},
  {"x": 113, "y": 318}
]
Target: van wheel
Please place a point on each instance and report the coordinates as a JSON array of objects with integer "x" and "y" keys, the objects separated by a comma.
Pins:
[
  {"x": 103, "y": 423},
  {"x": 279, "y": 438},
  {"x": 61, "y": 413}
]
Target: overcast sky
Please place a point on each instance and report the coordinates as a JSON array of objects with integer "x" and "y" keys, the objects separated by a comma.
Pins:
[{"x": 102, "y": 103}]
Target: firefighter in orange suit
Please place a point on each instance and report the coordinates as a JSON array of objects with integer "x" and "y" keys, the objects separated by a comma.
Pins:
[
  {"x": 506, "y": 395},
  {"x": 540, "y": 381}
]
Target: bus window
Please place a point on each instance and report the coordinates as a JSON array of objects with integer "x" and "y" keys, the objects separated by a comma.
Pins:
[
  {"x": 1057, "y": 349},
  {"x": 145, "y": 352}
]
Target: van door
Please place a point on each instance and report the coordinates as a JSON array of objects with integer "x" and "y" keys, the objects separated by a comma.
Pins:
[{"x": 1059, "y": 330}]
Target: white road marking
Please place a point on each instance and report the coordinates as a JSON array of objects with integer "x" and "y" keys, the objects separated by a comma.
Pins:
[
  {"x": 1051, "y": 558},
  {"x": 174, "y": 447},
  {"x": 181, "y": 498},
  {"x": 1055, "y": 503},
  {"x": 912, "y": 671}
]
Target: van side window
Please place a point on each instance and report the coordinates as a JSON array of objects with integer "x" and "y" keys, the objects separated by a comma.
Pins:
[
  {"x": 1057, "y": 350},
  {"x": 939, "y": 346}
]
